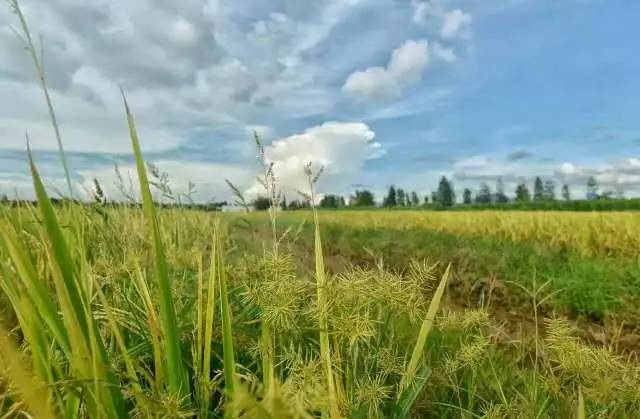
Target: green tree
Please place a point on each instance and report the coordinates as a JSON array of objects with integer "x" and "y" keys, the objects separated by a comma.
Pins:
[
  {"x": 522, "y": 193},
  {"x": 501, "y": 197},
  {"x": 434, "y": 197},
  {"x": 331, "y": 201},
  {"x": 364, "y": 198},
  {"x": 415, "y": 201},
  {"x": 390, "y": 200},
  {"x": 426, "y": 199},
  {"x": 566, "y": 194},
  {"x": 283, "y": 203},
  {"x": 592, "y": 188},
  {"x": 538, "y": 189},
  {"x": 549, "y": 190},
  {"x": 261, "y": 203},
  {"x": 401, "y": 197},
  {"x": 466, "y": 196},
  {"x": 484, "y": 194},
  {"x": 446, "y": 195}
]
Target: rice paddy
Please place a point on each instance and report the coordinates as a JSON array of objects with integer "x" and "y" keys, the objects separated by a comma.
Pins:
[
  {"x": 139, "y": 311},
  {"x": 127, "y": 311}
]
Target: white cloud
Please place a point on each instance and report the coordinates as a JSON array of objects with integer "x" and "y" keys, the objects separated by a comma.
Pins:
[
  {"x": 405, "y": 68},
  {"x": 208, "y": 179},
  {"x": 455, "y": 23},
  {"x": 443, "y": 53},
  {"x": 183, "y": 32},
  {"x": 341, "y": 148},
  {"x": 421, "y": 11}
]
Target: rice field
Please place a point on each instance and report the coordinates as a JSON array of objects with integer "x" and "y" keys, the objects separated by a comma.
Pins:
[
  {"x": 126, "y": 311},
  {"x": 140, "y": 311}
]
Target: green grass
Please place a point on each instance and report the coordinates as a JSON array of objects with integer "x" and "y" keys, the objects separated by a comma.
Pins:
[{"x": 595, "y": 287}]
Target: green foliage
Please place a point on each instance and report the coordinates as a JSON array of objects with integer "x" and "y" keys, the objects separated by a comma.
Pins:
[
  {"x": 363, "y": 198},
  {"x": 446, "y": 194},
  {"x": 538, "y": 190},
  {"x": 390, "y": 200},
  {"x": 332, "y": 201}
]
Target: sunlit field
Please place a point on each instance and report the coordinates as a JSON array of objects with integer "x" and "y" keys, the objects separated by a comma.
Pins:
[
  {"x": 140, "y": 308},
  {"x": 126, "y": 311}
]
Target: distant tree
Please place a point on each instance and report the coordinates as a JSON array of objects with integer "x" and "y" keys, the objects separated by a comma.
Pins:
[
  {"x": 522, "y": 193},
  {"x": 390, "y": 200},
  {"x": 364, "y": 198},
  {"x": 434, "y": 197},
  {"x": 538, "y": 189},
  {"x": 415, "y": 201},
  {"x": 607, "y": 195},
  {"x": 501, "y": 197},
  {"x": 466, "y": 196},
  {"x": 261, "y": 203},
  {"x": 592, "y": 188},
  {"x": 566, "y": 194},
  {"x": 426, "y": 199},
  {"x": 446, "y": 195},
  {"x": 331, "y": 201},
  {"x": 549, "y": 190},
  {"x": 484, "y": 194},
  {"x": 294, "y": 205},
  {"x": 283, "y": 203},
  {"x": 401, "y": 197}
]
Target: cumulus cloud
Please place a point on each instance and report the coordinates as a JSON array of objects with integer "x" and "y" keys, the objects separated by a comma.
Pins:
[
  {"x": 405, "y": 68},
  {"x": 340, "y": 147},
  {"x": 455, "y": 23}
]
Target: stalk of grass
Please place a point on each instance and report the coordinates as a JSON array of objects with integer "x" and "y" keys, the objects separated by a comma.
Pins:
[
  {"x": 225, "y": 312},
  {"x": 33, "y": 392},
  {"x": 88, "y": 357},
  {"x": 321, "y": 284},
  {"x": 427, "y": 324},
  {"x": 34, "y": 287},
  {"x": 38, "y": 62},
  {"x": 155, "y": 330},
  {"x": 177, "y": 382},
  {"x": 208, "y": 326},
  {"x": 580, "y": 411},
  {"x": 266, "y": 341}
]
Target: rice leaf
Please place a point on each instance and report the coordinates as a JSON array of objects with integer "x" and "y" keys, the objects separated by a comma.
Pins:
[
  {"x": 427, "y": 324},
  {"x": 177, "y": 382}
]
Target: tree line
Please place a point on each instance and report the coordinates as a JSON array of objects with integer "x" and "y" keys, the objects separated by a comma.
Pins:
[{"x": 544, "y": 194}]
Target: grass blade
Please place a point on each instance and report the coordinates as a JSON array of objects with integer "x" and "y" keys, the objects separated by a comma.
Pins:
[
  {"x": 427, "y": 324},
  {"x": 176, "y": 378},
  {"x": 225, "y": 312},
  {"x": 89, "y": 357}
]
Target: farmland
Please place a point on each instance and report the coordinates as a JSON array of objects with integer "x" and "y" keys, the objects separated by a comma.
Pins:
[
  {"x": 136, "y": 308},
  {"x": 535, "y": 314}
]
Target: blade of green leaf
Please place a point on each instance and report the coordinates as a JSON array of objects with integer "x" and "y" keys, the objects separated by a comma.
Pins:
[{"x": 176, "y": 377}]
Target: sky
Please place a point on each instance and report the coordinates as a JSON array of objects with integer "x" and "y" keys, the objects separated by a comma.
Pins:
[{"x": 378, "y": 92}]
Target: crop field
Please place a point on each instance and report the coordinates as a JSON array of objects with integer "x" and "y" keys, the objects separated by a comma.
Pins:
[
  {"x": 143, "y": 309},
  {"x": 125, "y": 311}
]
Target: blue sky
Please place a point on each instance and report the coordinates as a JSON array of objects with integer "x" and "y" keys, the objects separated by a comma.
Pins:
[{"x": 380, "y": 92}]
